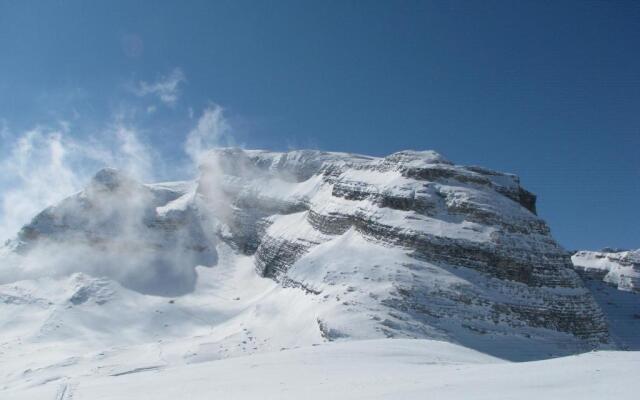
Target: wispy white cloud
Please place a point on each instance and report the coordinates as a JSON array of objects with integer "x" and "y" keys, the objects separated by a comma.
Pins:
[
  {"x": 132, "y": 45},
  {"x": 41, "y": 166},
  {"x": 44, "y": 165},
  {"x": 35, "y": 174},
  {"x": 132, "y": 155},
  {"x": 4, "y": 129},
  {"x": 166, "y": 88},
  {"x": 212, "y": 130}
]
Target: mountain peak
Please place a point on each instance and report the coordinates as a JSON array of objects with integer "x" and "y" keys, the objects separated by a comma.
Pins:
[
  {"x": 418, "y": 157},
  {"x": 111, "y": 179}
]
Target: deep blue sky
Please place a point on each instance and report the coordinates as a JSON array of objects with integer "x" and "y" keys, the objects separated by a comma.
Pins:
[{"x": 549, "y": 90}]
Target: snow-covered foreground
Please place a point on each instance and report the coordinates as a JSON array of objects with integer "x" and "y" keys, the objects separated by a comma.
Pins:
[
  {"x": 239, "y": 336},
  {"x": 372, "y": 369}
]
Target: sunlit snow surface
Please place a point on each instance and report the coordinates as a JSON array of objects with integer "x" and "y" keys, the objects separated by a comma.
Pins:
[
  {"x": 374, "y": 369},
  {"x": 89, "y": 338}
]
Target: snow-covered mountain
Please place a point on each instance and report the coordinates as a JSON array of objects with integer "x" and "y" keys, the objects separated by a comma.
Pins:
[{"x": 268, "y": 251}]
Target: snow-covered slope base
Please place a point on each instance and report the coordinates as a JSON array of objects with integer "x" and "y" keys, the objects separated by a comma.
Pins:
[{"x": 372, "y": 369}]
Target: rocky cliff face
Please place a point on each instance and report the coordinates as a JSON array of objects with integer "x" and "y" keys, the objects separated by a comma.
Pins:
[
  {"x": 409, "y": 245},
  {"x": 472, "y": 259}
]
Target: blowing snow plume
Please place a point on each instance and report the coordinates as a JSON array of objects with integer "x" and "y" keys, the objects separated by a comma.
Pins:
[
  {"x": 44, "y": 165},
  {"x": 117, "y": 228},
  {"x": 149, "y": 238}
]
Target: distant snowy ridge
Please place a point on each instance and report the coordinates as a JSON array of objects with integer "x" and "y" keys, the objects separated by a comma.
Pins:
[
  {"x": 618, "y": 268},
  {"x": 613, "y": 277}
]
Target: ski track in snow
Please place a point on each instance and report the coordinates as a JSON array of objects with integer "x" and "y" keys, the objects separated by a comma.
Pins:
[{"x": 375, "y": 369}]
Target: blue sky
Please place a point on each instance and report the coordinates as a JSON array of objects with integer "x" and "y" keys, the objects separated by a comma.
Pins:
[{"x": 547, "y": 90}]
